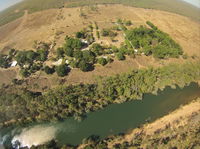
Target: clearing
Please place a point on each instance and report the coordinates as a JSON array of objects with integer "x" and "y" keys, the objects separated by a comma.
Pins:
[{"x": 52, "y": 25}]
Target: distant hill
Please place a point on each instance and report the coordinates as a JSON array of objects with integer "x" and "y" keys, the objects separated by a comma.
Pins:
[{"x": 175, "y": 6}]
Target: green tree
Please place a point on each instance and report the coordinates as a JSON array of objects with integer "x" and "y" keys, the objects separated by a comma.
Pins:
[
  {"x": 21, "y": 58},
  {"x": 78, "y": 54},
  {"x": 84, "y": 66},
  {"x": 60, "y": 52},
  {"x": 3, "y": 61},
  {"x": 69, "y": 51},
  {"x": 73, "y": 43},
  {"x": 88, "y": 56},
  {"x": 62, "y": 70},
  {"x": 42, "y": 55},
  {"x": 74, "y": 63},
  {"x": 49, "y": 70},
  {"x": 31, "y": 56}
]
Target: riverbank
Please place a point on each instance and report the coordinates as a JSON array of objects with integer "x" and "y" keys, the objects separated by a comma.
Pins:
[
  {"x": 177, "y": 129},
  {"x": 112, "y": 120},
  {"x": 77, "y": 100}
]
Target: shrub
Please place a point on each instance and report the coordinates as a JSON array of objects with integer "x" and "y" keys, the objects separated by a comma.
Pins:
[
  {"x": 119, "y": 21},
  {"x": 151, "y": 25},
  {"x": 12, "y": 52},
  {"x": 116, "y": 28},
  {"x": 115, "y": 49},
  {"x": 128, "y": 23},
  {"x": 90, "y": 38},
  {"x": 102, "y": 61},
  {"x": 98, "y": 34},
  {"x": 80, "y": 35},
  {"x": 17, "y": 82},
  {"x": 108, "y": 32},
  {"x": 97, "y": 49},
  {"x": 105, "y": 32},
  {"x": 112, "y": 34},
  {"x": 24, "y": 73},
  {"x": 49, "y": 70},
  {"x": 109, "y": 60},
  {"x": 35, "y": 67},
  {"x": 185, "y": 56},
  {"x": 120, "y": 56}
]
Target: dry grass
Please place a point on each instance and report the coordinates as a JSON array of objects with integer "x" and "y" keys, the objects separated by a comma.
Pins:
[
  {"x": 43, "y": 26},
  {"x": 175, "y": 6}
]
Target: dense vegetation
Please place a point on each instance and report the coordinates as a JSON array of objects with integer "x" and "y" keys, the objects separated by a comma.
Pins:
[
  {"x": 179, "y": 7},
  {"x": 76, "y": 100},
  {"x": 153, "y": 41},
  {"x": 3, "y": 61},
  {"x": 83, "y": 52},
  {"x": 29, "y": 61}
]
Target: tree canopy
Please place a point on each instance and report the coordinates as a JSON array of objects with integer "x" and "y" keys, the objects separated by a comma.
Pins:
[
  {"x": 153, "y": 41},
  {"x": 62, "y": 70}
]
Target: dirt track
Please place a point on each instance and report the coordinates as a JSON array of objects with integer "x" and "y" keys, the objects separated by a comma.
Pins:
[{"x": 44, "y": 25}]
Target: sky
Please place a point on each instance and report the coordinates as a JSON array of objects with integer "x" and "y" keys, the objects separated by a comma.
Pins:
[
  {"x": 194, "y": 2},
  {"x": 6, "y": 3}
]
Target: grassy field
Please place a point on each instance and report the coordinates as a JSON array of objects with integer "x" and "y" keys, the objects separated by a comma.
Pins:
[{"x": 174, "y": 6}]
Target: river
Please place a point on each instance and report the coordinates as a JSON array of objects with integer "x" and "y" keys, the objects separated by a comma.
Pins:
[{"x": 113, "y": 119}]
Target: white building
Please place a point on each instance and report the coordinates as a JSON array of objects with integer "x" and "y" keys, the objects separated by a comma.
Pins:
[
  {"x": 136, "y": 50},
  {"x": 67, "y": 61},
  {"x": 13, "y": 64},
  {"x": 84, "y": 41}
]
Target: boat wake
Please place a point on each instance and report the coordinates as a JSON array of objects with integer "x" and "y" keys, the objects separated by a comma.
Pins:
[{"x": 34, "y": 136}]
